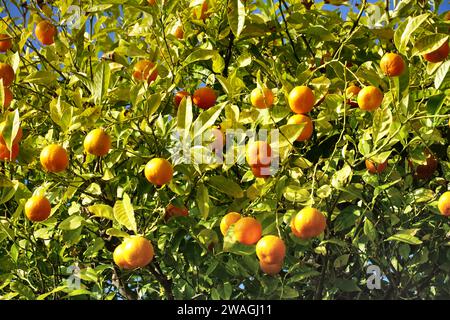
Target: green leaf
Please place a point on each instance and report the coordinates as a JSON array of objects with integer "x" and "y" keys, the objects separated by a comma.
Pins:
[
  {"x": 11, "y": 128},
  {"x": 71, "y": 223},
  {"x": 202, "y": 200},
  {"x": 382, "y": 120},
  {"x": 429, "y": 43},
  {"x": 61, "y": 113},
  {"x": 184, "y": 117},
  {"x": 236, "y": 16},
  {"x": 153, "y": 103},
  {"x": 406, "y": 238},
  {"x": 22, "y": 289},
  {"x": 406, "y": 29},
  {"x": 441, "y": 78},
  {"x": 347, "y": 285},
  {"x": 102, "y": 210},
  {"x": 102, "y": 75},
  {"x": 206, "y": 119},
  {"x": 41, "y": 77},
  {"x": 117, "y": 233},
  {"x": 45, "y": 295},
  {"x": 206, "y": 54},
  {"x": 369, "y": 230},
  {"x": 226, "y": 186},
  {"x": 124, "y": 213},
  {"x": 8, "y": 189}
]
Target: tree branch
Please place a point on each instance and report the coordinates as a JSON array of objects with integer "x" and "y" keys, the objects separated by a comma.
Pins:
[{"x": 165, "y": 282}]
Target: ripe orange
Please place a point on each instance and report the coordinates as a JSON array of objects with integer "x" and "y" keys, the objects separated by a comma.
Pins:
[
  {"x": 179, "y": 96},
  {"x": 5, "y": 42},
  {"x": 45, "y": 32},
  {"x": 425, "y": 171},
  {"x": 309, "y": 223},
  {"x": 392, "y": 64},
  {"x": 301, "y": 99},
  {"x": 8, "y": 97},
  {"x": 37, "y": 208},
  {"x": 178, "y": 31},
  {"x": 97, "y": 142},
  {"x": 270, "y": 269},
  {"x": 228, "y": 220},
  {"x": 352, "y": 92},
  {"x": 172, "y": 211},
  {"x": 439, "y": 54},
  {"x": 261, "y": 98},
  {"x": 6, "y": 154},
  {"x": 145, "y": 70},
  {"x": 247, "y": 230},
  {"x": 444, "y": 204},
  {"x": 259, "y": 153},
  {"x": 204, "y": 98},
  {"x": 158, "y": 171},
  {"x": 137, "y": 252},
  {"x": 270, "y": 249},
  {"x": 308, "y": 126},
  {"x": 201, "y": 13},
  {"x": 261, "y": 171},
  {"x": 16, "y": 140},
  {"x": 373, "y": 167},
  {"x": 6, "y": 74},
  {"x": 54, "y": 158},
  {"x": 292, "y": 226},
  {"x": 118, "y": 257},
  {"x": 151, "y": 2},
  {"x": 370, "y": 98}
]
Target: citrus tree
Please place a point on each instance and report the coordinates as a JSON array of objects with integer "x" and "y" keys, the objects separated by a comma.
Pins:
[{"x": 224, "y": 149}]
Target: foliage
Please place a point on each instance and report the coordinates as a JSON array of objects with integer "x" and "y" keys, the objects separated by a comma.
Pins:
[{"x": 84, "y": 81}]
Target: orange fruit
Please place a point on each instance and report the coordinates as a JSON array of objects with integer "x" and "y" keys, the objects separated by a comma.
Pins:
[
  {"x": 444, "y": 204},
  {"x": 5, "y": 42},
  {"x": 137, "y": 252},
  {"x": 172, "y": 211},
  {"x": 201, "y": 13},
  {"x": 118, "y": 257},
  {"x": 97, "y": 142},
  {"x": 261, "y": 98},
  {"x": 438, "y": 55},
  {"x": 54, "y": 158},
  {"x": 6, "y": 74},
  {"x": 301, "y": 99},
  {"x": 270, "y": 249},
  {"x": 247, "y": 230},
  {"x": 259, "y": 153},
  {"x": 228, "y": 220},
  {"x": 392, "y": 64},
  {"x": 8, "y": 97},
  {"x": 179, "y": 97},
  {"x": 425, "y": 171},
  {"x": 204, "y": 98},
  {"x": 308, "y": 126},
  {"x": 261, "y": 171},
  {"x": 158, "y": 171},
  {"x": 370, "y": 98},
  {"x": 37, "y": 208},
  {"x": 151, "y": 2},
  {"x": 373, "y": 167},
  {"x": 45, "y": 32},
  {"x": 292, "y": 226},
  {"x": 6, "y": 154},
  {"x": 352, "y": 92},
  {"x": 145, "y": 70},
  {"x": 16, "y": 140},
  {"x": 178, "y": 31},
  {"x": 309, "y": 223},
  {"x": 270, "y": 269}
]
